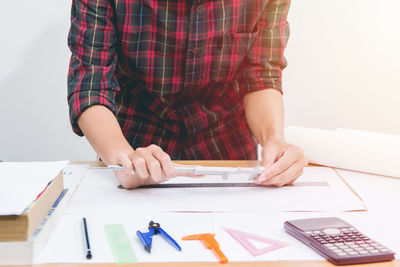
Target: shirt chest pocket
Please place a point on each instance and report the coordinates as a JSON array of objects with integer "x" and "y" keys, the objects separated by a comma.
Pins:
[{"x": 224, "y": 55}]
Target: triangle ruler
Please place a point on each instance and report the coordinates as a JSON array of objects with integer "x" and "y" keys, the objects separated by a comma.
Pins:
[{"x": 244, "y": 239}]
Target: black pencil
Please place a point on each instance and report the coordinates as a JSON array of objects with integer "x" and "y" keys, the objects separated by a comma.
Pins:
[{"x": 86, "y": 239}]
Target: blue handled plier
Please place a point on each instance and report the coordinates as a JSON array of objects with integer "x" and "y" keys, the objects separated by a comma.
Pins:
[{"x": 155, "y": 229}]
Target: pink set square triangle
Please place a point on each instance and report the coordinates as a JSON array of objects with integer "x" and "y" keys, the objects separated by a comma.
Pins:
[{"x": 244, "y": 239}]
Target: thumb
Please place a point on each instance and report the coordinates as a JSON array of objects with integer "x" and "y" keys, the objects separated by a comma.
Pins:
[{"x": 125, "y": 161}]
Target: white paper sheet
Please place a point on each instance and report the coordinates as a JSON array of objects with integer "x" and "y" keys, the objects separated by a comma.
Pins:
[
  {"x": 349, "y": 149},
  {"x": 66, "y": 245},
  {"x": 22, "y": 182},
  {"x": 377, "y": 192},
  {"x": 73, "y": 175},
  {"x": 98, "y": 191}
]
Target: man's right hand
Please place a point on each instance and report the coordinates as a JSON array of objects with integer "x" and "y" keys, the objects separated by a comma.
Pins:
[{"x": 147, "y": 165}]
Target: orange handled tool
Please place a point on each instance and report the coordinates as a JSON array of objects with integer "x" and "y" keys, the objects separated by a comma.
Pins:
[{"x": 209, "y": 242}]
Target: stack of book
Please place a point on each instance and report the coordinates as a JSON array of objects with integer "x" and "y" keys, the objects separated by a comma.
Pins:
[{"x": 23, "y": 235}]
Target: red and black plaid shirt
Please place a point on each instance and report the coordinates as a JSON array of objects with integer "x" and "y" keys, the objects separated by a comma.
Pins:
[{"x": 174, "y": 72}]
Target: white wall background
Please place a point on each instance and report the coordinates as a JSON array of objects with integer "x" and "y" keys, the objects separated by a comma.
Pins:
[{"x": 344, "y": 71}]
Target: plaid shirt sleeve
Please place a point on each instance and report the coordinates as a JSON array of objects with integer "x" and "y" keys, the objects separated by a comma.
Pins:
[
  {"x": 92, "y": 40},
  {"x": 265, "y": 60}
]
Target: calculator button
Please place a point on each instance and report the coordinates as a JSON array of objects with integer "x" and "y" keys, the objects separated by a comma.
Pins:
[
  {"x": 308, "y": 232},
  {"x": 353, "y": 253},
  {"x": 374, "y": 251},
  {"x": 342, "y": 254},
  {"x": 364, "y": 252},
  {"x": 384, "y": 250},
  {"x": 331, "y": 231},
  {"x": 329, "y": 245}
]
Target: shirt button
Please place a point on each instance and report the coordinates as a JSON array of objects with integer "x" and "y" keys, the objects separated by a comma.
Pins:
[{"x": 195, "y": 50}]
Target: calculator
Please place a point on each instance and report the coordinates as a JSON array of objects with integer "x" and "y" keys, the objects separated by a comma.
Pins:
[{"x": 338, "y": 241}]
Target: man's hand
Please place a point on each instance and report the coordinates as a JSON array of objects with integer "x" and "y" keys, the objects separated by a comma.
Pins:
[
  {"x": 283, "y": 163},
  {"x": 147, "y": 165}
]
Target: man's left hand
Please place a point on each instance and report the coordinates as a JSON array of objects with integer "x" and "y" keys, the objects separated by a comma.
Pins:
[{"x": 283, "y": 163}]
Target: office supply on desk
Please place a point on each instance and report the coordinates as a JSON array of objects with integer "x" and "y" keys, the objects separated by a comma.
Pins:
[
  {"x": 86, "y": 243},
  {"x": 337, "y": 241},
  {"x": 64, "y": 247},
  {"x": 27, "y": 190},
  {"x": 210, "y": 243},
  {"x": 225, "y": 172},
  {"x": 119, "y": 243},
  {"x": 26, "y": 252},
  {"x": 230, "y": 184},
  {"x": 355, "y": 150},
  {"x": 155, "y": 229},
  {"x": 244, "y": 239},
  {"x": 320, "y": 197},
  {"x": 22, "y": 182}
]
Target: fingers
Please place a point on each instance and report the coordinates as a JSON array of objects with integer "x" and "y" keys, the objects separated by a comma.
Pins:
[
  {"x": 270, "y": 155},
  {"x": 288, "y": 166},
  {"x": 124, "y": 161},
  {"x": 164, "y": 159},
  {"x": 139, "y": 164},
  {"x": 286, "y": 177},
  {"x": 148, "y": 164},
  {"x": 289, "y": 157}
]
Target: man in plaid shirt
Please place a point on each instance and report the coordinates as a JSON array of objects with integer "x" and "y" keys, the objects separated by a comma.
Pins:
[{"x": 155, "y": 80}]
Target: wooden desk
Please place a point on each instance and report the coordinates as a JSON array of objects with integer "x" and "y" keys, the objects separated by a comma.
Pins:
[{"x": 395, "y": 263}]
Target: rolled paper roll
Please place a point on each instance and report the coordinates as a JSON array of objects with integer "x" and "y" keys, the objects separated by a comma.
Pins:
[{"x": 349, "y": 149}]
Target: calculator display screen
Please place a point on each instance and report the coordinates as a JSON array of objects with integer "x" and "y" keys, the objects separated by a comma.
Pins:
[{"x": 319, "y": 223}]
